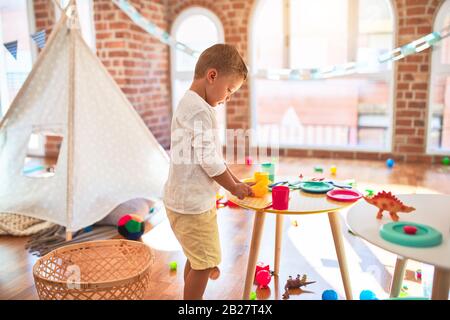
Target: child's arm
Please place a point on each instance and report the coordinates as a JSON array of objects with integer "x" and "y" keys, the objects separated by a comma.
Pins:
[
  {"x": 239, "y": 189},
  {"x": 232, "y": 175}
]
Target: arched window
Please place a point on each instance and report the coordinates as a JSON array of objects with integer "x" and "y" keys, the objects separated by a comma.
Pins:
[
  {"x": 16, "y": 24},
  {"x": 439, "y": 103},
  {"x": 198, "y": 28},
  {"x": 347, "y": 112}
]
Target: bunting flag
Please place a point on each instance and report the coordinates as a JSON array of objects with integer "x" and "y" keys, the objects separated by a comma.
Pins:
[
  {"x": 39, "y": 37},
  {"x": 153, "y": 29},
  {"x": 12, "y": 48},
  {"x": 294, "y": 74}
]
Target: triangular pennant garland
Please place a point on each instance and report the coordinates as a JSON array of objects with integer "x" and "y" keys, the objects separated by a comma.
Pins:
[
  {"x": 39, "y": 38},
  {"x": 12, "y": 48}
]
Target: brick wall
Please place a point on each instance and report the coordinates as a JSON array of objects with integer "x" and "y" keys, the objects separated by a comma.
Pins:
[
  {"x": 415, "y": 19},
  {"x": 137, "y": 61},
  {"x": 44, "y": 14},
  {"x": 140, "y": 65}
]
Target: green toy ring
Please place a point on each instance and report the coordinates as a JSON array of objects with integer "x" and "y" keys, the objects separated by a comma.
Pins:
[{"x": 425, "y": 236}]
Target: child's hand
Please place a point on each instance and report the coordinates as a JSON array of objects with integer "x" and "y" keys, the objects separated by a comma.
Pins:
[
  {"x": 250, "y": 183},
  {"x": 242, "y": 190}
]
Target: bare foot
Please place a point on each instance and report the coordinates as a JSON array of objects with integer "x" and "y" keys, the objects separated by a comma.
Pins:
[{"x": 214, "y": 274}]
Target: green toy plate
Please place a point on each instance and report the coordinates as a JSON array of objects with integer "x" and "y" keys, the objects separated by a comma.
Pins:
[
  {"x": 316, "y": 187},
  {"x": 425, "y": 236}
]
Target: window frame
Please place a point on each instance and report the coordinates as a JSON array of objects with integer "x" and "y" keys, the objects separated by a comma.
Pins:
[
  {"x": 185, "y": 14},
  {"x": 254, "y": 76},
  {"x": 4, "y": 95},
  {"x": 436, "y": 69}
]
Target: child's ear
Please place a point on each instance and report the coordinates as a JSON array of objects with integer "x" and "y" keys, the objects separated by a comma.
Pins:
[{"x": 211, "y": 75}]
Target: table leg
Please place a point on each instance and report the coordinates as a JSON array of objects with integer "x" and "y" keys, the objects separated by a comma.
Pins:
[
  {"x": 399, "y": 275},
  {"x": 258, "y": 225},
  {"x": 340, "y": 252},
  {"x": 441, "y": 282},
  {"x": 278, "y": 240}
]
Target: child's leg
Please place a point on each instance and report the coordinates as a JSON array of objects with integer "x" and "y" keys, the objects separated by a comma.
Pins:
[
  {"x": 187, "y": 269},
  {"x": 195, "y": 284}
]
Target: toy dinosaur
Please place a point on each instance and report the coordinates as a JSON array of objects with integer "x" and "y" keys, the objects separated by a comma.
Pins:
[
  {"x": 295, "y": 284},
  {"x": 387, "y": 201}
]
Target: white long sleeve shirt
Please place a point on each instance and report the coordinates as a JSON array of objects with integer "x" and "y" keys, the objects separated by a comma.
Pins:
[{"x": 196, "y": 157}]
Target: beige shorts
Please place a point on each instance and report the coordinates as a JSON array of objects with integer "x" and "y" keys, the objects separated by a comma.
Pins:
[{"x": 198, "y": 235}]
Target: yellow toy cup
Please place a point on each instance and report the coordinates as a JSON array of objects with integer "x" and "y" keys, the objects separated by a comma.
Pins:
[
  {"x": 261, "y": 188},
  {"x": 261, "y": 176}
]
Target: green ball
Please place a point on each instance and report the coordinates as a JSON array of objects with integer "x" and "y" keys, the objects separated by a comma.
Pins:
[
  {"x": 173, "y": 265},
  {"x": 252, "y": 295},
  {"x": 445, "y": 161}
]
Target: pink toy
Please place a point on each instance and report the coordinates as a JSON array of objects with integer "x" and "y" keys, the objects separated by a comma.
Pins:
[
  {"x": 263, "y": 278},
  {"x": 263, "y": 275},
  {"x": 344, "y": 195},
  {"x": 410, "y": 230},
  {"x": 248, "y": 161},
  {"x": 261, "y": 266}
]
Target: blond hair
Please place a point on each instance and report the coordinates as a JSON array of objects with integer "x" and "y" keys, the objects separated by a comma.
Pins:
[{"x": 222, "y": 57}]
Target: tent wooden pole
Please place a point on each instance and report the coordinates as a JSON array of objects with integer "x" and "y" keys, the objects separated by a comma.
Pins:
[
  {"x": 70, "y": 129},
  {"x": 57, "y": 4}
]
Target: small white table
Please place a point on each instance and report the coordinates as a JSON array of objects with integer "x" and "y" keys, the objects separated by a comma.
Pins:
[{"x": 432, "y": 210}]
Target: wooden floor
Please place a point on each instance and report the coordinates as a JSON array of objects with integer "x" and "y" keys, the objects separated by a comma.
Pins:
[{"x": 307, "y": 248}]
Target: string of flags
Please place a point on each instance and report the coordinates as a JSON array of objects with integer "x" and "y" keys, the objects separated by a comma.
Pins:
[
  {"x": 39, "y": 38},
  {"x": 12, "y": 48},
  {"x": 294, "y": 74},
  {"x": 396, "y": 54},
  {"x": 153, "y": 29}
]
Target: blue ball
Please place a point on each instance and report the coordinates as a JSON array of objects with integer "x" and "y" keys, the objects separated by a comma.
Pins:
[
  {"x": 390, "y": 163},
  {"x": 367, "y": 295},
  {"x": 329, "y": 295}
]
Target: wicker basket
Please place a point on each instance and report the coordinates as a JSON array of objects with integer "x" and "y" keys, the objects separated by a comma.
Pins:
[{"x": 97, "y": 270}]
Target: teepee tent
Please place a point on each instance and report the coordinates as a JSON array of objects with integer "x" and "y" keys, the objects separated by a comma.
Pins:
[{"x": 107, "y": 155}]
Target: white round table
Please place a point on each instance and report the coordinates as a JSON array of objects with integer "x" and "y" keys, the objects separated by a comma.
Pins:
[{"x": 432, "y": 210}]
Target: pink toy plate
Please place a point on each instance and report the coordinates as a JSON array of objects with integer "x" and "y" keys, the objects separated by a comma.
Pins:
[{"x": 345, "y": 195}]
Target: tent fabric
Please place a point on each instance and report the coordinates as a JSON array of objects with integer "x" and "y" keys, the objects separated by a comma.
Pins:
[{"x": 115, "y": 156}]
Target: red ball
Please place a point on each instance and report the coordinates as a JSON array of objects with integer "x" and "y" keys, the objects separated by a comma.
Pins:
[{"x": 410, "y": 230}]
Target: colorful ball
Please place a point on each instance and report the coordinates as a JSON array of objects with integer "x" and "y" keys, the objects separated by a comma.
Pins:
[
  {"x": 367, "y": 295},
  {"x": 329, "y": 295},
  {"x": 131, "y": 226},
  {"x": 446, "y": 161},
  {"x": 390, "y": 163},
  {"x": 418, "y": 274}
]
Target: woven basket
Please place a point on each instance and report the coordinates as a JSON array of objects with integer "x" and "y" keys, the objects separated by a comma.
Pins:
[{"x": 97, "y": 270}]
